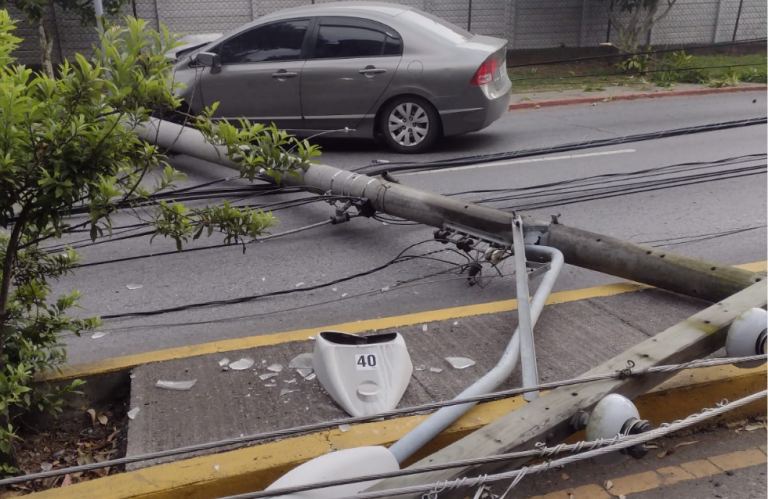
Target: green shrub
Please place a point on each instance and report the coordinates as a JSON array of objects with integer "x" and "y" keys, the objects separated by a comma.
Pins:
[
  {"x": 73, "y": 141},
  {"x": 638, "y": 63},
  {"x": 754, "y": 75},
  {"x": 693, "y": 76},
  {"x": 671, "y": 68},
  {"x": 727, "y": 80}
]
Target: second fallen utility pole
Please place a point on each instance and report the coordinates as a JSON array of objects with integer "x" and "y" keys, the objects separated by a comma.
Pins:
[{"x": 656, "y": 267}]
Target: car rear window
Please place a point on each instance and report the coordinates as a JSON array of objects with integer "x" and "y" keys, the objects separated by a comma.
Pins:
[
  {"x": 443, "y": 29},
  {"x": 348, "y": 41}
]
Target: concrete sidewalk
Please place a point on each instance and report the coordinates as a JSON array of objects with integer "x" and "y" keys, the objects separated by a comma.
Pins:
[
  {"x": 571, "y": 338},
  {"x": 578, "y": 329}
]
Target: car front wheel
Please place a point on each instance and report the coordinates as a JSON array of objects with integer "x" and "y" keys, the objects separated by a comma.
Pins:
[{"x": 410, "y": 125}]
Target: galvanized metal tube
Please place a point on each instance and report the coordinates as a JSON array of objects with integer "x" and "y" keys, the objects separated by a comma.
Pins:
[
  {"x": 444, "y": 417},
  {"x": 525, "y": 327}
]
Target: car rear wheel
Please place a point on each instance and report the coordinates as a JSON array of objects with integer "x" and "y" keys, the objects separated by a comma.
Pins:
[{"x": 409, "y": 125}]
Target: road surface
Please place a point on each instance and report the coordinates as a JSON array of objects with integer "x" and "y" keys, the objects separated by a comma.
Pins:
[{"x": 717, "y": 199}]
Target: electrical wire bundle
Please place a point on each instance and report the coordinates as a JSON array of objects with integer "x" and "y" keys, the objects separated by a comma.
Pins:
[
  {"x": 538, "y": 451},
  {"x": 611, "y": 185},
  {"x": 400, "y": 258},
  {"x": 377, "y": 169}
]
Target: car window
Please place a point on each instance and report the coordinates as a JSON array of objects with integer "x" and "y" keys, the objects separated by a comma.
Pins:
[
  {"x": 280, "y": 41},
  {"x": 393, "y": 46},
  {"x": 348, "y": 41}
]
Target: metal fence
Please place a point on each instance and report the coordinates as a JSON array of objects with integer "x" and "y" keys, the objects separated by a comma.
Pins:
[{"x": 527, "y": 24}]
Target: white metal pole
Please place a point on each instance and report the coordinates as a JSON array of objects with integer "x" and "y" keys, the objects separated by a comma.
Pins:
[
  {"x": 98, "y": 9},
  {"x": 525, "y": 325}
]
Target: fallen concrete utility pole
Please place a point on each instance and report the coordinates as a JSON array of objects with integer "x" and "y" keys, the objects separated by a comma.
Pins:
[
  {"x": 546, "y": 419},
  {"x": 655, "y": 267}
]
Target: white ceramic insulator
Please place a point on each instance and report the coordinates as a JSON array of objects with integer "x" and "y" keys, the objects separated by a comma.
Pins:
[
  {"x": 607, "y": 420},
  {"x": 746, "y": 336}
]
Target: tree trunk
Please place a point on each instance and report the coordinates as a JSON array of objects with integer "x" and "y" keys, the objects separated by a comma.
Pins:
[
  {"x": 641, "y": 19},
  {"x": 46, "y": 46},
  {"x": 5, "y": 283}
]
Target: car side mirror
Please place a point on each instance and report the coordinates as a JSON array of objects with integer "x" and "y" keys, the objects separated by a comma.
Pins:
[{"x": 208, "y": 59}]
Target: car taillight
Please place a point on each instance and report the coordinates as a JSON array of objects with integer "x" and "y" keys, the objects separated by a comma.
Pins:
[{"x": 486, "y": 72}]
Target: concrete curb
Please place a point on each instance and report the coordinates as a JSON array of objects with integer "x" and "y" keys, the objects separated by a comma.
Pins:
[
  {"x": 254, "y": 468},
  {"x": 644, "y": 95},
  {"x": 130, "y": 361}
]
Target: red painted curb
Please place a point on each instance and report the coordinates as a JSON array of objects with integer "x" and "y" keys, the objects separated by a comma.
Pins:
[{"x": 647, "y": 95}]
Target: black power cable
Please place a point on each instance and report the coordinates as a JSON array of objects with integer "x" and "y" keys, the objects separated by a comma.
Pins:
[
  {"x": 676, "y": 241},
  {"x": 628, "y": 183},
  {"x": 186, "y": 195},
  {"x": 662, "y": 185},
  {"x": 374, "y": 170},
  {"x": 541, "y": 190},
  {"x": 272, "y": 207},
  {"x": 688, "y": 239},
  {"x": 605, "y": 178},
  {"x": 401, "y": 257}
]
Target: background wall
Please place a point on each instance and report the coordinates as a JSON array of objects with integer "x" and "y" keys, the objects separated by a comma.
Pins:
[{"x": 527, "y": 24}]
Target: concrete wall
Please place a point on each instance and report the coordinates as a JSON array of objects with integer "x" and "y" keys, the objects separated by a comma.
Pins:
[{"x": 527, "y": 24}]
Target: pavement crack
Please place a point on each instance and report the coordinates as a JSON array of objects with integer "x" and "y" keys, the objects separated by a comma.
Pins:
[
  {"x": 426, "y": 389},
  {"x": 327, "y": 436},
  {"x": 594, "y": 128}
]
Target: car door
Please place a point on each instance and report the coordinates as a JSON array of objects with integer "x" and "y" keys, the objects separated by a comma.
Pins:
[
  {"x": 260, "y": 74},
  {"x": 350, "y": 63}
]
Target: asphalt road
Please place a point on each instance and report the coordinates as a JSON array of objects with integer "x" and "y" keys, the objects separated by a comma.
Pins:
[{"x": 715, "y": 199}]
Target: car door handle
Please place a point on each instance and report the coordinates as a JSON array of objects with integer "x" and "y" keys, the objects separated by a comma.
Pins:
[
  {"x": 372, "y": 71},
  {"x": 284, "y": 74}
]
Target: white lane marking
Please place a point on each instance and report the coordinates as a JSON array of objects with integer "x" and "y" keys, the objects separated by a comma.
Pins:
[{"x": 519, "y": 162}]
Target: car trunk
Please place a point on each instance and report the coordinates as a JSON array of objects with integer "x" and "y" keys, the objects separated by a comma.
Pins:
[{"x": 488, "y": 49}]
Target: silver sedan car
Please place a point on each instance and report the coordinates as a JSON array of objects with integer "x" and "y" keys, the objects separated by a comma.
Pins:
[{"x": 355, "y": 69}]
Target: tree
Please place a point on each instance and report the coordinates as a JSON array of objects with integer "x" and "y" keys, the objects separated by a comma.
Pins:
[
  {"x": 34, "y": 11},
  {"x": 71, "y": 143},
  {"x": 633, "y": 19}
]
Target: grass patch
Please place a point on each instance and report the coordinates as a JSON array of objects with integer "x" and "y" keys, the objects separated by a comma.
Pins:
[{"x": 596, "y": 75}]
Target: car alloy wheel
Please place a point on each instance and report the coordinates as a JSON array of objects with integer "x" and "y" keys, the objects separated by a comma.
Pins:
[{"x": 408, "y": 124}]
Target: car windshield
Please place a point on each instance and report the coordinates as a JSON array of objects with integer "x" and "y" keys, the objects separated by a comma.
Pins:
[{"x": 437, "y": 26}]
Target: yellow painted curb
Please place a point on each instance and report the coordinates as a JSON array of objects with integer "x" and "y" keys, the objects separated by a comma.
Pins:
[
  {"x": 254, "y": 468},
  {"x": 130, "y": 361},
  {"x": 663, "y": 477}
]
